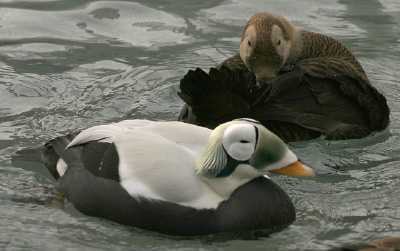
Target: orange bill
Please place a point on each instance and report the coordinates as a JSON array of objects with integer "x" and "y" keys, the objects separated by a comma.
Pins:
[{"x": 295, "y": 169}]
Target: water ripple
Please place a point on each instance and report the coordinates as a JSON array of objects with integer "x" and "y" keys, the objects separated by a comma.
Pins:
[{"x": 67, "y": 65}]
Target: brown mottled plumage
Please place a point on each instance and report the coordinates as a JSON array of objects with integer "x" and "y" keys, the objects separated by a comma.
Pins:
[
  {"x": 327, "y": 53},
  {"x": 305, "y": 45},
  {"x": 306, "y": 84},
  {"x": 319, "y": 53}
]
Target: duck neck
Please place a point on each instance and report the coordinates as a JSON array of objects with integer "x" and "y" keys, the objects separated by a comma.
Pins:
[{"x": 225, "y": 186}]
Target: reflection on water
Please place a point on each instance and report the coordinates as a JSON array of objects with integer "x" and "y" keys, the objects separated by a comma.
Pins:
[{"x": 66, "y": 65}]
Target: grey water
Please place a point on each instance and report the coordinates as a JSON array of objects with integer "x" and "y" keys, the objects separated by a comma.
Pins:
[{"x": 71, "y": 64}]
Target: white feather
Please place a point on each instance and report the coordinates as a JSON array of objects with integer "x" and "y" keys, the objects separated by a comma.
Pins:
[
  {"x": 182, "y": 133},
  {"x": 104, "y": 133},
  {"x": 161, "y": 169},
  {"x": 61, "y": 167},
  {"x": 157, "y": 159},
  {"x": 224, "y": 186}
]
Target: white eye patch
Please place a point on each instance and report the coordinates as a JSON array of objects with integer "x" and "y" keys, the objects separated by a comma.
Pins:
[
  {"x": 276, "y": 35},
  {"x": 239, "y": 141},
  {"x": 282, "y": 46},
  {"x": 247, "y": 44}
]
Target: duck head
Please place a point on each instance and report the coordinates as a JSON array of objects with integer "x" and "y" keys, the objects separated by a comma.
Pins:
[
  {"x": 243, "y": 149},
  {"x": 266, "y": 44}
]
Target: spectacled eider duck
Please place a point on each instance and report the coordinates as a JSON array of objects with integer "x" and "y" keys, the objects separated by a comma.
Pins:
[
  {"x": 299, "y": 84},
  {"x": 177, "y": 178}
]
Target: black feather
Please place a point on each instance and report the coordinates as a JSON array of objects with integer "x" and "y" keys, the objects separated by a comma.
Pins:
[{"x": 305, "y": 98}]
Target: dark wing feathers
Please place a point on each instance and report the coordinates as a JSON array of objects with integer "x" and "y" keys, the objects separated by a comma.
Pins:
[
  {"x": 351, "y": 84},
  {"x": 100, "y": 197},
  {"x": 278, "y": 88},
  {"x": 315, "y": 96},
  {"x": 50, "y": 152},
  {"x": 100, "y": 158},
  {"x": 218, "y": 96}
]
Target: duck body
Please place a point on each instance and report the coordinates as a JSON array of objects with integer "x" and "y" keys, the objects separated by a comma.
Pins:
[
  {"x": 142, "y": 173},
  {"x": 314, "y": 87}
]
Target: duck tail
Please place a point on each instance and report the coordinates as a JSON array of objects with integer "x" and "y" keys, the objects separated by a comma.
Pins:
[
  {"x": 55, "y": 149},
  {"x": 49, "y": 155}
]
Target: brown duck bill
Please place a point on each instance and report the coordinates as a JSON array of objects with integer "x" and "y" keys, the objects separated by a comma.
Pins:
[{"x": 295, "y": 169}]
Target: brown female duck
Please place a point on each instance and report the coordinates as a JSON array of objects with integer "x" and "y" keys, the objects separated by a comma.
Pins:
[{"x": 299, "y": 84}]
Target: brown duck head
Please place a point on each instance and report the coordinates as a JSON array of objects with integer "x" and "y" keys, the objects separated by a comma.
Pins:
[{"x": 266, "y": 44}]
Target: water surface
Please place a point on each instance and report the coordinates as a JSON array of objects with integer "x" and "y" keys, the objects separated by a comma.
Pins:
[{"x": 70, "y": 64}]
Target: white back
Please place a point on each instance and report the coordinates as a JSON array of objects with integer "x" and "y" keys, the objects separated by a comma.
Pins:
[{"x": 157, "y": 159}]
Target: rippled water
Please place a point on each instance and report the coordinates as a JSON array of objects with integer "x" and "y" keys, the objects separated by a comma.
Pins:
[{"x": 69, "y": 64}]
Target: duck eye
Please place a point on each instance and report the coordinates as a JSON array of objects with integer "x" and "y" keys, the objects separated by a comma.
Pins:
[
  {"x": 244, "y": 141},
  {"x": 248, "y": 42}
]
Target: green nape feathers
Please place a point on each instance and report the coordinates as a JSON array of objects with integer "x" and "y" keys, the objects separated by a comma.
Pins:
[
  {"x": 218, "y": 160},
  {"x": 214, "y": 158},
  {"x": 270, "y": 149}
]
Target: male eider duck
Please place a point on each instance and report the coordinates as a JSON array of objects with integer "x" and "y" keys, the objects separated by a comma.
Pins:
[
  {"x": 299, "y": 84},
  {"x": 177, "y": 178}
]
